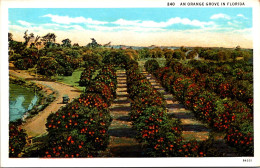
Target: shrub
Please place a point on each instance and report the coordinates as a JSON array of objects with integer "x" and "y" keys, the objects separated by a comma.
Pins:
[
  {"x": 160, "y": 72},
  {"x": 159, "y": 135},
  {"x": 117, "y": 57},
  {"x": 86, "y": 76},
  {"x": 224, "y": 89},
  {"x": 92, "y": 59},
  {"x": 151, "y": 66},
  {"x": 226, "y": 69},
  {"x": 49, "y": 66},
  {"x": 102, "y": 89},
  {"x": 23, "y": 63},
  {"x": 242, "y": 139},
  {"x": 168, "y": 80},
  {"x": 213, "y": 82},
  {"x": 180, "y": 86},
  {"x": 17, "y": 140},
  {"x": 238, "y": 73},
  {"x": 232, "y": 115},
  {"x": 193, "y": 90},
  {"x": 204, "y": 106},
  {"x": 93, "y": 100},
  {"x": 78, "y": 129},
  {"x": 195, "y": 75},
  {"x": 242, "y": 90}
]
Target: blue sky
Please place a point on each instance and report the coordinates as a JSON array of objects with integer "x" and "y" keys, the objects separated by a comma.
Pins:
[{"x": 132, "y": 20}]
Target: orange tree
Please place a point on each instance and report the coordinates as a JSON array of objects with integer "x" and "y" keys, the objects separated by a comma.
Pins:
[
  {"x": 79, "y": 129},
  {"x": 231, "y": 116},
  {"x": 17, "y": 140},
  {"x": 159, "y": 135}
]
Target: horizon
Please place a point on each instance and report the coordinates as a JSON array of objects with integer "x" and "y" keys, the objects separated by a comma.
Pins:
[{"x": 191, "y": 27}]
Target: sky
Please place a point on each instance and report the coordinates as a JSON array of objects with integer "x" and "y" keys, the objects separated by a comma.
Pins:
[{"x": 205, "y": 27}]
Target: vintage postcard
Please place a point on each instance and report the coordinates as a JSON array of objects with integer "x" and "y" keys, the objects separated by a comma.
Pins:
[{"x": 129, "y": 83}]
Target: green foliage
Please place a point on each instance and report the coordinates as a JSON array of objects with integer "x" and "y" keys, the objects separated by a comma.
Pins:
[
  {"x": 117, "y": 57},
  {"x": 72, "y": 53},
  {"x": 49, "y": 66},
  {"x": 80, "y": 129},
  {"x": 191, "y": 54},
  {"x": 183, "y": 49},
  {"x": 151, "y": 66},
  {"x": 144, "y": 53},
  {"x": 213, "y": 82},
  {"x": 77, "y": 130},
  {"x": 168, "y": 53},
  {"x": 232, "y": 115},
  {"x": 92, "y": 58},
  {"x": 66, "y": 43},
  {"x": 17, "y": 140},
  {"x": 159, "y": 135},
  {"x": 178, "y": 54},
  {"x": 93, "y": 43},
  {"x": 86, "y": 76}
]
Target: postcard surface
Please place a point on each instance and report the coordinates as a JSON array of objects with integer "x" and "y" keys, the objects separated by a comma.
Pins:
[{"x": 120, "y": 83}]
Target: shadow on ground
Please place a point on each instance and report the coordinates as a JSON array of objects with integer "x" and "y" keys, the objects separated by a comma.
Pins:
[
  {"x": 121, "y": 101},
  {"x": 195, "y": 128},
  {"x": 122, "y": 132},
  {"x": 122, "y": 95},
  {"x": 122, "y": 109},
  {"x": 181, "y": 115},
  {"x": 175, "y": 105},
  {"x": 40, "y": 79},
  {"x": 76, "y": 91},
  {"x": 127, "y": 151},
  {"x": 124, "y": 118}
]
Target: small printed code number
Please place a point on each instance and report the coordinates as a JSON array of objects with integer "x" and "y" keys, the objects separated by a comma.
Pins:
[
  {"x": 247, "y": 160},
  {"x": 170, "y": 4}
]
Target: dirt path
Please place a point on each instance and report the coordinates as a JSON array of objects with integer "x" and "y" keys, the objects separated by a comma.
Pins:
[
  {"x": 36, "y": 125},
  {"x": 122, "y": 142}
]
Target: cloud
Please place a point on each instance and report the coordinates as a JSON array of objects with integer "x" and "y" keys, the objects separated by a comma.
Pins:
[
  {"x": 220, "y": 16},
  {"x": 124, "y": 22},
  {"x": 231, "y": 24},
  {"x": 172, "y": 21},
  {"x": 242, "y": 16},
  {"x": 69, "y": 20},
  {"x": 58, "y": 26},
  {"x": 125, "y": 28},
  {"x": 24, "y": 23}
]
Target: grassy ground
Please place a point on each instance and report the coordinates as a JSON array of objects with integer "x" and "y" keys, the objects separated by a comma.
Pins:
[{"x": 72, "y": 80}]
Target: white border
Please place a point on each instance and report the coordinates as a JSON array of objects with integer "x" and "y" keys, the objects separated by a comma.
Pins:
[{"x": 115, "y": 162}]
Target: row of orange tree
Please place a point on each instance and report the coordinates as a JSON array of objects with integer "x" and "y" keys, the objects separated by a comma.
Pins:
[
  {"x": 232, "y": 80},
  {"x": 159, "y": 135},
  {"x": 240, "y": 70},
  {"x": 80, "y": 129},
  {"x": 231, "y": 116}
]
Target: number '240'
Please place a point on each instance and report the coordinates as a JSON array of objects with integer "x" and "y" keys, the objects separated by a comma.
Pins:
[{"x": 170, "y": 4}]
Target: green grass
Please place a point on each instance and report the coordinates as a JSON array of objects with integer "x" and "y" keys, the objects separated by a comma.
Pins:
[{"x": 72, "y": 80}]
